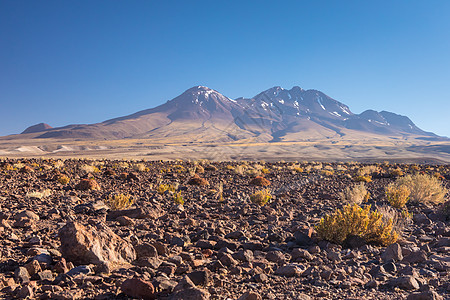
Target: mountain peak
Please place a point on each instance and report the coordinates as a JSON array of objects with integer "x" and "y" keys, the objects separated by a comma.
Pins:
[{"x": 37, "y": 128}]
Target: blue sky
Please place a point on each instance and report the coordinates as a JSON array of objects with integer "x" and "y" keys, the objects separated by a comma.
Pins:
[{"x": 65, "y": 62}]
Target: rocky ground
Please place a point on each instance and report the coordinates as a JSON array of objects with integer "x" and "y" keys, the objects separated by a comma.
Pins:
[{"x": 62, "y": 240}]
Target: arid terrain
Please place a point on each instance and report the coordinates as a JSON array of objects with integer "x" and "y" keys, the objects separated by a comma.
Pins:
[{"x": 116, "y": 229}]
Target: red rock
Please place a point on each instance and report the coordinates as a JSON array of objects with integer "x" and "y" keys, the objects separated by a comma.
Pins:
[
  {"x": 197, "y": 180},
  {"x": 138, "y": 288},
  {"x": 87, "y": 184},
  {"x": 260, "y": 181},
  {"x": 94, "y": 245}
]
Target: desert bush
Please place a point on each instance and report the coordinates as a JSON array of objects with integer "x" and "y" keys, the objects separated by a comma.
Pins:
[
  {"x": 89, "y": 169},
  {"x": 397, "y": 195},
  {"x": 366, "y": 178},
  {"x": 358, "y": 194},
  {"x": 400, "y": 219},
  {"x": 140, "y": 167},
  {"x": 424, "y": 188},
  {"x": 326, "y": 172},
  {"x": 178, "y": 198},
  {"x": 367, "y": 170},
  {"x": 199, "y": 169},
  {"x": 39, "y": 195},
  {"x": 119, "y": 201},
  {"x": 162, "y": 188},
  {"x": 354, "y": 220},
  {"x": 63, "y": 179},
  {"x": 396, "y": 172},
  {"x": 261, "y": 197}
]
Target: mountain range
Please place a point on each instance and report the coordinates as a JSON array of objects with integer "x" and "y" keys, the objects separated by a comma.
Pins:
[{"x": 202, "y": 114}]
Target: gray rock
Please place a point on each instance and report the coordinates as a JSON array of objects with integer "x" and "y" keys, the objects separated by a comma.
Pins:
[
  {"x": 334, "y": 256},
  {"x": 186, "y": 290},
  {"x": 428, "y": 295},
  {"x": 145, "y": 250},
  {"x": 250, "y": 296},
  {"x": 416, "y": 257},
  {"x": 405, "y": 282},
  {"x": 290, "y": 270},
  {"x": 392, "y": 252},
  {"x": 200, "y": 277},
  {"x": 21, "y": 275},
  {"x": 301, "y": 253},
  {"x": 79, "y": 270}
]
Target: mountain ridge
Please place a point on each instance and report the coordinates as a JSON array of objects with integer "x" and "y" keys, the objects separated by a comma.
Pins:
[{"x": 276, "y": 114}]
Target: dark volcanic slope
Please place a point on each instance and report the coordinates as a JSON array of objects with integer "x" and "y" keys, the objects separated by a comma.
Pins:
[{"x": 203, "y": 114}]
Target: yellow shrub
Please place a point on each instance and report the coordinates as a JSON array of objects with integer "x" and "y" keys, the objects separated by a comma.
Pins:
[
  {"x": 178, "y": 198},
  {"x": 63, "y": 179},
  {"x": 162, "y": 188},
  {"x": 424, "y": 188},
  {"x": 354, "y": 220},
  {"x": 397, "y": 195},
  {"x": 119, "y": 201},
  {"x": 397, "y": 172},
  {"x": 327, "y": 172},
  {"x": 261, "y": 197},
  {"x": 363, "y": 178}
]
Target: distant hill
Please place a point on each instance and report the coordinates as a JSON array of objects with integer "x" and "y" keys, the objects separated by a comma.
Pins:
[
  {"x": 202, "y": 114},
  {"x": 37, "y": 128}
]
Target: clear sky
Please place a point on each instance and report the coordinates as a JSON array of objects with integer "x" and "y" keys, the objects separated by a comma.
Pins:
[{"x": 65, "y": 62}]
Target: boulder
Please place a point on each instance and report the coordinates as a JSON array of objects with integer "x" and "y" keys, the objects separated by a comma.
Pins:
[
  {"x": 94, "y": 245},
  {"x": 138, "y": 288}
]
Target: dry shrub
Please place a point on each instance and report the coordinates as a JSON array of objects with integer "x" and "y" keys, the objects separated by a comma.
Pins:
[
  {"x": 400, "y": 219},
  {"x": 366, "y": 178},
  {"x": 327, "y": 172},
  {"x": 367, "y": 170},
  {"x": 119, "y": 201},
  {"x": 199, "y": 169},
  {"x": 162, "y": 188},
  {"x": 39, "y": 195},
  {"x": 397, "y": 195},
  {"x": 354, "y": 220},
  {"x": 178, "y": 198},
  {"x": 261, "y": 197},
  {"x": 424, "y": 188},
  {"x": 63, "y": 179},
  {"x": 140, "y": 167},
  {"x": 356, "y": 195},
  {"x": 396, "y": 172},
  {"x": 89, "y": 169}
]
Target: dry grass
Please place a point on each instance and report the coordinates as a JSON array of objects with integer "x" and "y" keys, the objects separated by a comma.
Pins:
[
  {"x": 261, "y": 197},
  {"x": 424, "y": 188},
  {"x": 119, "y": 201},
  {"x": 356, "y": 195},
  {"x": 39, "y": 195},
  {"x": 400, "y": 219}
]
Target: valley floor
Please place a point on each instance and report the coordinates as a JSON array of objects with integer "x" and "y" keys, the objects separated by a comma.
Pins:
[{"x": 62, "y": 239}]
